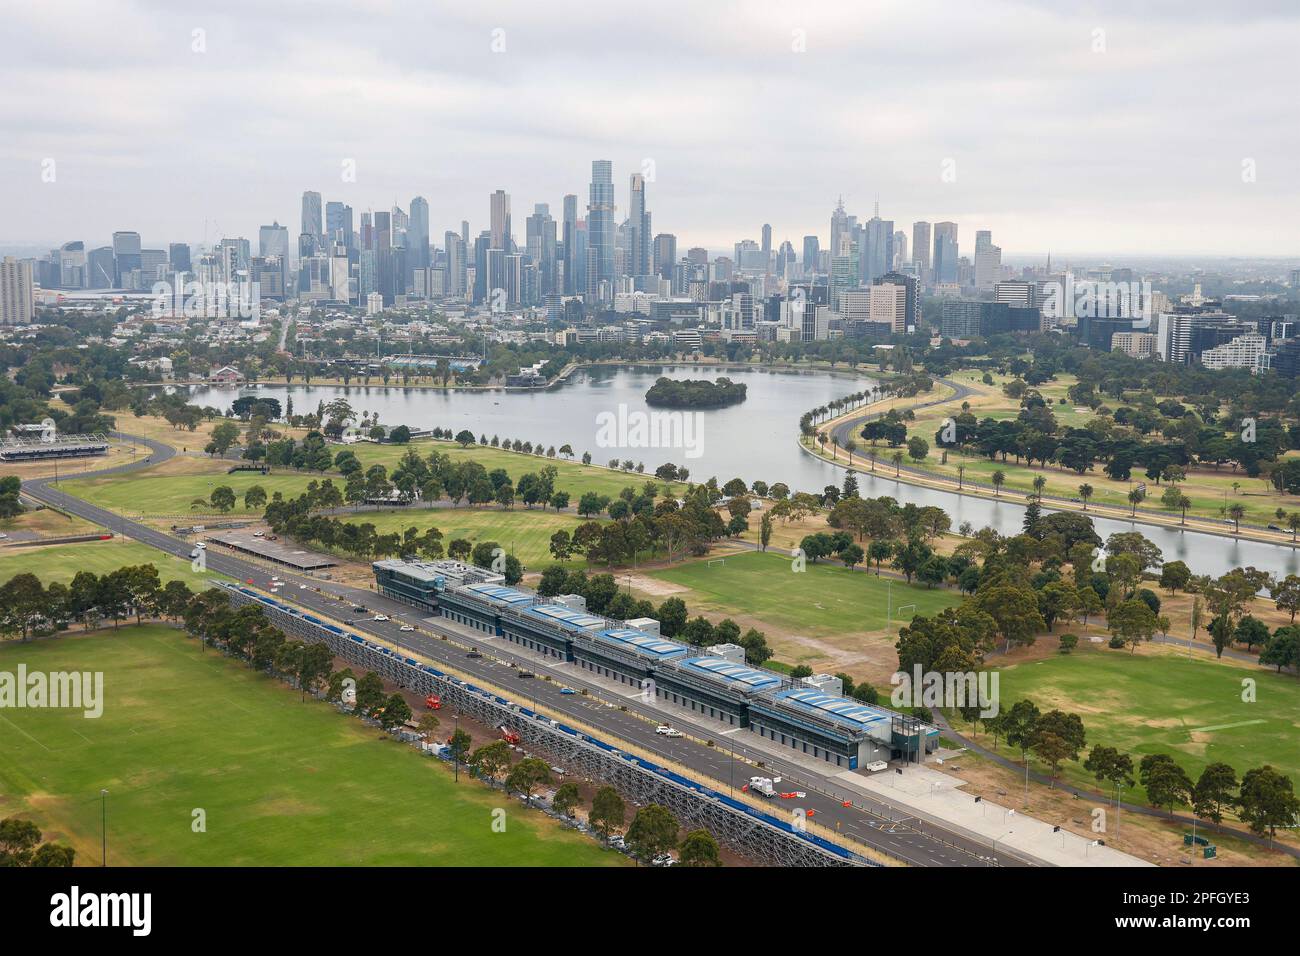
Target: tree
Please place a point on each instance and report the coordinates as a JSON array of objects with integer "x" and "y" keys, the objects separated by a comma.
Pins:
[
  {"x": 1286, "y": 595},
  {"x": 999, "y": 479},
  {"x": 1166, "y": 783},
  {"x": 224, "y": 435},
  {"x": 527, "y": 775},
  {"x": 490, "y": 759},
  {"x": 698, "y": 848},
  {"x": 1236, "y": 511},
  {"x": 255, "y": 498},
  {"x": 607, "y": 810},
  {"x": 1056, "y": 737},
  {"x": 1175, "y": 575},
  {"x": 222, "y": 498},
  {"x": 1085, "y": 493},
  {"x": 653, "y": 832},
  {"x": 1014, "y": 610},
  {"x": 1108, "y": 765},
  {"x": 566, "y": 795},
  {"x": 1267, "y": 800},
  {"x": 395, "y": 712},
  {"x": 1133, "y": 622},
  {"x": 1214, "y": 792},
  {"x": 1018, "y": 726}
]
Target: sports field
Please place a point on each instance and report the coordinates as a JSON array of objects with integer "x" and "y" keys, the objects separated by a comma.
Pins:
[
  {"x": 280, "y": 782},
  {"x": 523, "y": 533},
  {"x": 824, "y": 599},
  {"x": 61, "y": 562},
  {"x": 1159, "y": 701}
]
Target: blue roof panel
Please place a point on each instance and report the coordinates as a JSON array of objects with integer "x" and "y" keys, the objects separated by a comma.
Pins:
[
  {"x": 733, "y": 673},
  {"x": 644, "y": 643},
  {"x": 850, "y": 712}
]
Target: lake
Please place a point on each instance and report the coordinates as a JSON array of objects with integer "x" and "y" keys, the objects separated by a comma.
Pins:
[{"x": 602, "y": 410}]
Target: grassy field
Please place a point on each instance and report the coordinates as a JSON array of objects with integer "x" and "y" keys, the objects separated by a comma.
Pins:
[
  {"x": 1160, "y": 701},
  {"x": 525, "y": 534},
  {"x": 281, "y": 782},
  {"x": 824, "y": 599},
  {"x": 170, "y": 489},
  {"x": 61, "y": 562}
]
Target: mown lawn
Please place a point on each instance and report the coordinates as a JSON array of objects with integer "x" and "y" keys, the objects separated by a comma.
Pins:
[
  {"x": 824, "y": 599},
  {"x": 61, "y": 562},
  {"x": 278, "y": 781},
  {"x": 1154, "y": 701}
]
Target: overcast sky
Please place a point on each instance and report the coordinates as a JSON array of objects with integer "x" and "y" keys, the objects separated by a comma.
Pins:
[{"x": 1122, "y": 129}]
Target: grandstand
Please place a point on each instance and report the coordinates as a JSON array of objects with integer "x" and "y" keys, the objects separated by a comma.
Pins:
[
  {"x": 24, "y": 448},
  {"x": 845, "y": 733}
]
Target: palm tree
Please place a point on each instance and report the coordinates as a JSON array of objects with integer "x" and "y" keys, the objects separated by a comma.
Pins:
[
  {"x": 1085, "y": 492},
  {"x": 835, "y": 443},
  {"x": 961, "y": 474},
  {"x": 1040, "y": 482},
  {"x": 1134, "y": 498},
  {"x": 872, "y": 455},
  {"x": 897, "y": 458},
  {"x": 1236, "y": 511},
  {"x": 1293, "y": 522},
  {"x": 1184, "y": 503},
  {"x": 999, "y": 479},
  {"x": 850, "y": 446}
]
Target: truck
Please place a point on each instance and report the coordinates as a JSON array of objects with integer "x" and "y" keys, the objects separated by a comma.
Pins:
[
  {"x": 508, "y": 735},
  {"x": 761, "y": 786},
  {"x": 433, "y": 702}
]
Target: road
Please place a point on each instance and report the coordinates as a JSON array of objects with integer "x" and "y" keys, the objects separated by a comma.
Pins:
[{"x": 870, "y": 820}]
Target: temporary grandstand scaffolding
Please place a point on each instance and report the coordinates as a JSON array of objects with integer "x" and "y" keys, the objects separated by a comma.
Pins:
[
  {"x": 748, "y": 830},
  {"x": 21, "y": 448}
]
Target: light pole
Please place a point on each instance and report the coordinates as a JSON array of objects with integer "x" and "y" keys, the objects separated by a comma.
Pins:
[{"x": 103, "y": 827}]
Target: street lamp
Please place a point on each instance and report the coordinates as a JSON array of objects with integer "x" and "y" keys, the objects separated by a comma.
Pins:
[
  {"x": 455, "y": 743},
  {"x": 103, "y": 827}
]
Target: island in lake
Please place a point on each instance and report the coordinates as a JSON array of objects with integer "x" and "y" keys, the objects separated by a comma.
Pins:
[{"x": 692, "y": 393}]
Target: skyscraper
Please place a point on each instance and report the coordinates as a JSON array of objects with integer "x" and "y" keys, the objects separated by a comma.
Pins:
[
  {"x": 311, "y": 219},
  {"x": 988, "y": 260},
  {"x": 921, "y": 250},
  {"x": 15, "y": 292},
  {"x": 877, "y": 251},
  {"x": 500, "y": 219},
  {"x": 945, "y": 253},
  {"x": 600, "y": 229},
  {"x": 638, "y": 228},
  {"x": 417, "y": 236},
  {"x": 839, "y": 229},
  {"x": 810, "y": 250},
  {"x": 665, "y": 254},
  {"x": 273, "y": 240},
  {"x": 569, "y": 238},
  {"x": 126, "y": 255}
]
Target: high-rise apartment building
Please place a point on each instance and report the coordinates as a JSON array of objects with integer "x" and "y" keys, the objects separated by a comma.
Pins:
[
  {"x": 311, "y": 220},
  {"x": 16, "y": 294}
]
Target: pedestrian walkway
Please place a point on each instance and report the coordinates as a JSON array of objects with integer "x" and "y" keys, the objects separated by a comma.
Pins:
[{"x": 938, "y": 797}]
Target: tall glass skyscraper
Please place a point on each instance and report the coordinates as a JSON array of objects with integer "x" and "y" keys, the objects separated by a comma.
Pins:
[{"x": 600, "y": 228}]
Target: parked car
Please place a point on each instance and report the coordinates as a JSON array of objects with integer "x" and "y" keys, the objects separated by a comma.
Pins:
[
  {"x": 664, "y": 859},
  {"x": 876, "y": 766}
]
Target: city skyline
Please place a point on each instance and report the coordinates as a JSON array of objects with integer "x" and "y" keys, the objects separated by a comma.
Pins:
[{"x": 204, "y": 128}]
